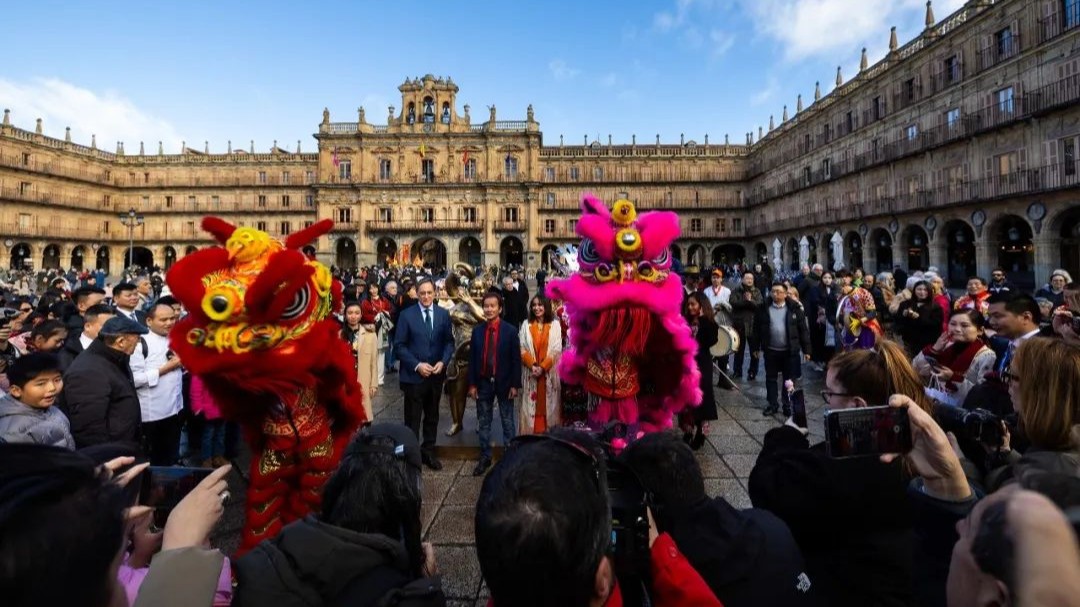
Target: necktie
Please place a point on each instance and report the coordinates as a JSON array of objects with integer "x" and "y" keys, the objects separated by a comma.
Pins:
[
  {"x": 427, "y": 321},
  {"x": 1007, "y": 358},
  {"x": 489, "y": 352}
]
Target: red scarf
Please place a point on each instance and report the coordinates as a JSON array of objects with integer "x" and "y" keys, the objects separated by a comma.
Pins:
[
  {"x": 491, "y": 339},
  {"x": 957, "y": 357}
]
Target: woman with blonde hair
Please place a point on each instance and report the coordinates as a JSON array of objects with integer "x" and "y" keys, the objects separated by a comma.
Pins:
[
  {"x": 541, "y": 345},
  {"x": 849, "y": 516}
]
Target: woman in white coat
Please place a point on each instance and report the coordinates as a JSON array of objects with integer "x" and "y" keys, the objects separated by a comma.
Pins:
[{"x": 541, "y": 344}]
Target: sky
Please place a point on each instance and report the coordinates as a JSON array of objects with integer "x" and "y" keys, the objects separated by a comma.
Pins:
[{"x": 239, "y": 71}]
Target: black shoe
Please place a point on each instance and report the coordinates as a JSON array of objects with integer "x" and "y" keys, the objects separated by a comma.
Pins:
[
  {"x": 688, "y": 437},
  {"x": 770, "y": 410},
  {"x": 698, "y": 440},
  {"x": 432, "y": 462},
  {"x": 481, "y": 467},
  {"x": 787, "y": 411}
]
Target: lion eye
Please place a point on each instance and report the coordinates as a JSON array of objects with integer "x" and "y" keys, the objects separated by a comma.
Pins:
[
  {"x": 298, "y": 304},
  {"x": 587, "y": 252}
]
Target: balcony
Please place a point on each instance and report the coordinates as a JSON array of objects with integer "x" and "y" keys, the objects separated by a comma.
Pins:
[
  {"x": 1060, "y": 21},
  {"x": 440, "y": 226},
  {"x": 1003, "y": 49},
  {"x": 517, "y": 225},
  {"x": 345, "y": 226}
]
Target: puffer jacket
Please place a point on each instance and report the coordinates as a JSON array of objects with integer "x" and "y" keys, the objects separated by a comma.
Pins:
[{"x": 20, "y": 423}]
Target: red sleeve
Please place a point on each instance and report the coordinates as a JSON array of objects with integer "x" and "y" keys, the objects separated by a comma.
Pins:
[
  {"x": 367, "y": 312},
  {"x": 675, "y": 582}
]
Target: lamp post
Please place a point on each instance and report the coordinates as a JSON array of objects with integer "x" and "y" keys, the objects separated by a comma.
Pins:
[{"x": 131, "y": 219}]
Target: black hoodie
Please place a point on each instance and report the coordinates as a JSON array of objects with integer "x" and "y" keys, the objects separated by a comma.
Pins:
[
  {"x": 311, "y": 563},
  {"x": 747, "y": 557}
]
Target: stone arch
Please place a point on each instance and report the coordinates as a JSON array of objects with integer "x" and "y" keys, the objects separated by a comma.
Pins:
[
  {"x": 101, "y": 259},
  {"x": 50, "y": 256},
  {"x": 728, "y": 254},
  {"x": 430, "y": 252},
  {"x": 853, "y": 249},
  {"x": 1067, "y": 227},
  {"x": 78, "y": 257},
  {"x": 960, "y": 256},
  {"x": 546, "y": 254},
  {"x": 139, "y": 256},
  {"x": 695, "y": 255},
  {"x": 676, "y": 253},
  {"x": 191, "y": 249},
  {"x": 792, "y": 254},
  {"x": 469, "y": 252},
  {"x": 22, "y": 256},
  {"x": 916, "y": 248},
  {"x": 811, "y": 242},
  {"x": 511, "y": 252},
  {"x": 881, "y": 240},
  {"x": 761, "y": 253},
  {"x": 1011, "y": 244},
  {"x": 169, "y": 255},
  {"x": 345, "y": 253},
  {"x": 386, "y": 250}
]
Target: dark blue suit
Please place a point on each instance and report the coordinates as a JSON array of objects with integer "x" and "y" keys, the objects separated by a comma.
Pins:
[
  {"x": 414, "y": 344},
  {"x": 507, "y": 376}
]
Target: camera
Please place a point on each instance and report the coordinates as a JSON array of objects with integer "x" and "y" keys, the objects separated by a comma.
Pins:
[{"x": 977, "y": 425}]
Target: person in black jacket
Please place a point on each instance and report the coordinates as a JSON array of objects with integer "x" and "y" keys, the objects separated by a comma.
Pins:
[
  {"x": 747, "y": 557},
  {"x": 849, "y": 516},
  {"x": 494, "y": 375},
  {"x": 94, "y": 317},
  {"x": 364, "y": 547},
  {"x": 699, "y": 315},
  {"x": 780, "y": 331},
  {"x": 918, "y": 320},
  {"x": 99, "y": 395}
]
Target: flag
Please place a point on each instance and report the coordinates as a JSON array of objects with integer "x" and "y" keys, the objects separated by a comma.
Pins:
[
  {"x": 465, "y": 157},
  {"x": 422, "y": 149},
  {"x": 335, "y": 158}
]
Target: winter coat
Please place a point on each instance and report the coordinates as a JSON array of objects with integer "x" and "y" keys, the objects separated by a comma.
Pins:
[
  {"x": 21, "y": 423},
  {"x": 798, "y": 331},
  {"x": 850, "y": 517},
  {"x": 920, "y": 332},
  {"x": 99, "y": 398},
  {"x": 311, "y": 563},
  {"x": 202, "y": 402},
  {"x": 742, "y": 309},
  {"x": 72, "y": 347}
]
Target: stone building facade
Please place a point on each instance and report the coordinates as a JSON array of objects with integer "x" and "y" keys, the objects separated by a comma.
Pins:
[{"x": 957, "y": 150}]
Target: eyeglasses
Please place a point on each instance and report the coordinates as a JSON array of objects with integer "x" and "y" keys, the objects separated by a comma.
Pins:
[{"x": 826, "y": 395}]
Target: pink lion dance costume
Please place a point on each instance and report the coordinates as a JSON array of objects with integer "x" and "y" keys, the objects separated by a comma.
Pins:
[{"x": 629, "y": 345}]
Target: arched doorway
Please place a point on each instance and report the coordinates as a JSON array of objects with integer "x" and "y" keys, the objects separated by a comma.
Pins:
[
  {"x": 792, "y": 254},
  {"x": 728, "y": 255},
  {"x": 676, "y": 252},
  {"x": 102, "y": 259},
  {"x": 695, "y": 256},
  {"x": 170, "y": 257},
  {"x": 139, "y": 256},
  {"x": 20, "y": 257},
  {"x": 345, "y": 253},
  {"x": 469, "y": 252},
  {"x": 1011, "y": 236},
  {"x": 546, "y": 254},
  {"x": 1070, "y": 242},
  {"x": 830, "y": 253},
  {"x": 918, "y": 255},
  {"x": 191, "y": 249},
  {"x": 430, "y": 253},
  {"x": 385, "y": 251},
  {"x": 77, "y": 255},
  {"x": 881, "y": 240},
  {"x": 812, "y": 258},
  {"x": 761, "y": 253},
  {"x": 50, "y": 257},
  {"x": 853, "y": 249},
  {"x": 959, "y": 253},
  {"x": 511, "y": 252}
]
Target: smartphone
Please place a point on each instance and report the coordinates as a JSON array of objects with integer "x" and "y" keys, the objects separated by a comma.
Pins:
[
  {"x": 798, "y": 408},
  {"x": 164, "y": 486},
  {"x": 867, "y": 431}
]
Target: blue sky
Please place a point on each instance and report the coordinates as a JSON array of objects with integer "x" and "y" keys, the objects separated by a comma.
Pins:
[{"x": 219, "y": 71}]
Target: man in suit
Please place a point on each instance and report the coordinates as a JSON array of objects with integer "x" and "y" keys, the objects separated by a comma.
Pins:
[
  {"x": 424, "y": 343},
  {"x": 494, "y": 372},
  {"x": 126, "y": 300},
  {"x": 514, "y": 301}
]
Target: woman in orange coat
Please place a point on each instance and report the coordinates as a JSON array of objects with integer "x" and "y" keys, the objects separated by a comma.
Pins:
[{"x": 541, "y": 344}]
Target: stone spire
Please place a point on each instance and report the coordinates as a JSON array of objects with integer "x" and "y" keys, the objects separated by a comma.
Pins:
[
  {"x": 142, "y": 149},
  {"x": 67, "y": 134},
  {"x": 726, "y": 140},
  {"x": 37, "y": 129},
  {"x": 839, "y": 78},
  {"x": 929, "y": 15},
  {"x": 230, "y": 146},
  {"x": 772, "y": 125},
  {"x": 252, "y": 146},
  {"x": 160, "y": 148},
  {"x": 7, "y": 117},
  {"x": 361, "y": 115},
  {"x": 206, "y": 147},
  {"x": 784, "y": 117},
  {"x": 119, "y": 148},
  {"x": 93, "y": 141},
  {"x": 760, "y": 133},
  {"x": 274, "y": 148},
  {"x": 183, "y": 147},
  {"x": 297, "y": 146},
  {"x": 609, "y": 139},
  {"x": 817, "y": 91},
  {"x": 863, "y": 63},
  {"x": 892, "y": 40},
  {"x": 798, "y": 103},
  {"x": 706, "y": 140}
]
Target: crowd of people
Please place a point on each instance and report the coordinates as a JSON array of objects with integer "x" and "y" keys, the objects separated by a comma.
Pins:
[{"x": 981, "y": 511}]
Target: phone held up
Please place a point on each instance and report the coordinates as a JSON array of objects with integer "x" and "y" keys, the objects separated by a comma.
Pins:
[
  {"x": 867, "y": 431},
  {"x": 798, "y": 408},
  {"x": 164, "y": 486}
]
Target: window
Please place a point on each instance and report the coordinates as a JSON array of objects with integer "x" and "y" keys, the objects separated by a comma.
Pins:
[
  {"x": 427, "y": 170},
  {"x": 551, "y": 199},
  {"x": 826, "y": 168},
  {"x": 695, "y": 224},
  {"x": 309, "y": 201},
  {"x": 598, "y": 174},
  {"x": 191, "y": 202},
  {"x": 510, "y": 167},
  {"x": 826, "y": 132},
  {"x": 260, "y": 225},
  {"x": 427, "y": 215},
  {"x": 470, "y": 169},
  {"x": 108, "y": 175},
  {"x": 344, "y": 215},
  {"x": 510, "y": 214},
  {"x": 190, "y": 231},
  {"x": 308, "y": 224},
  {"x": 907, "y": 90},
  {"x": 468, "y": 214},
  {"x": 549, "y": 226},
  {"x": 549, "y": 172},
  {"x": 1005, "y": 43},
  {"x": 26, "y": 159},
  {"x": 572, "y": 225},
  {"x": 24, "y": 189},
  {"x": 215, "y": 203},
  {"x": 106, "y": 200},
  {"x": 386, "y": 215},
  {"x": 1071, "y": 13},
  {"x": 285, "y": 201},
  {"x": 952, "y": 69},
  {"x": 262, "y": 200},
  {"x": 736, "y": 224},
  {"x": 877, "y": 108},
  {"x": 262, "y": 177},
  {"x": 806, "y": 175},
  {"x": 309, "y": 177},
  {"x": 575, "y": 174},
  {"x": 168, "y": 202},
  {"x": 1004, "y": 99},
  {"x": 385, "y": 169},
  {"x": 344, "y": 169},
  {"x": 952, "y": 118},
  {"x": 146, "y": 177},
  {"x": 1068, "y": 154},
  {"x": 720, "y": 224},
  {"x": 954, "y": 177},
  {"x": 285, "y": 228},
  {"x": 911, "y": 132},
  {"x": 104, "y": 226},
  {"x": 1005, "y": 164},
  {"x": 849, "y": 122},
  {"x": 285, "y": 181},
  {"x": 145, "y": 200},
  {"x": 806, "y": 142},
  {"x": 25, "y": 220}
]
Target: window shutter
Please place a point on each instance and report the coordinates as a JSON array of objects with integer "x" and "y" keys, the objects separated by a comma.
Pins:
[{"x": 988, "y": 167}]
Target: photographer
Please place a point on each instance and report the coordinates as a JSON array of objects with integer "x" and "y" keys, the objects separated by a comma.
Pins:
[
  {"x": 537, "y": 548},
  {"x": 849, "y": 516},
  {"x": 370, "y": 524},
  {"x": 746, "y": 557}
]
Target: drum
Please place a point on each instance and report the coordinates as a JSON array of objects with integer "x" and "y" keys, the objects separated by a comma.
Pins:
[{"x": 726, "y": 343}]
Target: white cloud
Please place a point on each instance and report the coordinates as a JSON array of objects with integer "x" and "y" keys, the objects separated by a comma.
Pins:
[
  {"x": 109, "y": 115},
  {"x": 561, "y": 71},
  {"x": 609, "y": 80},
  {"x": 811, "y": 28},
  {"x": 721, "y": 42},
  {"x": 664, "y": 21}
]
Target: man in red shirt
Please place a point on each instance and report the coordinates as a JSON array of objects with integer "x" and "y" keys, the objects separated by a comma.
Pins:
[{"x": 494, "y": 373}]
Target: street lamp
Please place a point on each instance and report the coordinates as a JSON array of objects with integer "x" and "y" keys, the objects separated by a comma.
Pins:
[{"x": 131, "y": 219}]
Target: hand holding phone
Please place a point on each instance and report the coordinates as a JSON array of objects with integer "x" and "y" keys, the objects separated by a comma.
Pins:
[
  {"x": 798, "y": 408},
  {"x": 867, "y": 431}
]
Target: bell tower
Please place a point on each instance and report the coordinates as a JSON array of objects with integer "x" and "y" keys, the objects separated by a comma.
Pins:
[{"x": 428, "y": 104}]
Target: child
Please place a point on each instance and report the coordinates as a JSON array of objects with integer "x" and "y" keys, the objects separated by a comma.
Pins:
[
  {"x": 213, "y": 438},
  {"x": 27, "y": 414}
]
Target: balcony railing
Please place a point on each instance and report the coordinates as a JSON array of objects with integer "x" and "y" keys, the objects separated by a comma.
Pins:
[
  {"x": 442, "y": 225},
  {"x": 503, "y": 225},
  {"x": 1060, "y": 21},
  {"x": 1001, "y": 50}
]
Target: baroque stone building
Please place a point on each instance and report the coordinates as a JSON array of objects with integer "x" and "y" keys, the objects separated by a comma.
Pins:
[{"x": 957, "y": 149}]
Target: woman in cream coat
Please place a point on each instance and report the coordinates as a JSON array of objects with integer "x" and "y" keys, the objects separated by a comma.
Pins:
[{"x": 541, "y": 344}]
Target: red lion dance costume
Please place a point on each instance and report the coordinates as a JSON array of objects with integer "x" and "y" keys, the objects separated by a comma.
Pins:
[
  {"x": 260, "y": 334},
  {"x": 629, "y": 345}
]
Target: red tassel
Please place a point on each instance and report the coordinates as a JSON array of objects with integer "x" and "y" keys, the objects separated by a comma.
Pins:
[{"x": 626, "y": 329}]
